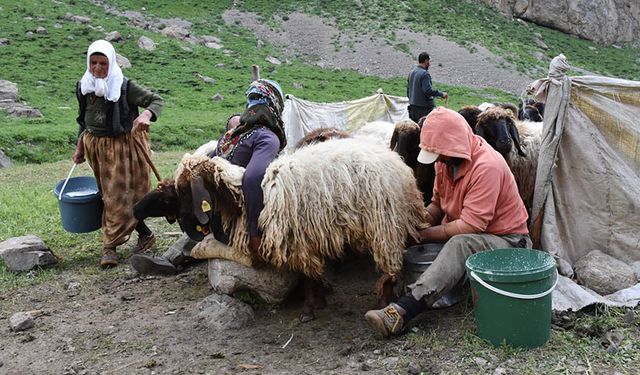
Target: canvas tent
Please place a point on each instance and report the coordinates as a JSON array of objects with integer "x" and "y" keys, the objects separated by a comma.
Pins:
[
  {"x": 587, "y": 193},
  {"x": 301, "y": 116}
]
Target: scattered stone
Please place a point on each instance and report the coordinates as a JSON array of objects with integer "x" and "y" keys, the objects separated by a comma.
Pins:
[
  {"x": 146, "y": 43},
  {"x": 603, "y": 273},
  {"x": 205, "y": 79},
  {"x": 20, "y": 110},
  {"x": 413, "y": 368},
  {"x": 539, "y": 55},
  {"x": 57, "y": 25},
  {"x": 390, "y": 362},
  {"x": 297, "y": 85},
  {"x": 21, "y": 321},
  {"x": 480, "y": 361},
  {"x": 4, "y": 160},
  {"x": 541, "y": 44},
  {"x": 271, "y": 284},
  {"x": 213, "y": 45},
  {"x": 217, "y": 97},
  {"x": 616, "y": 46},
  {"x": 73, "y": 288},
  {"x": 41, "y": 30},
  {"x": 123, "y": 61},
  {"x": 219, "y": 65},
  {"x": 273, "y": 60},
  {"x": 176, "y": 32},
  {"x": 29, "y": 35},
  {"x": 113, "y": 36},
  {"x": 25, "y": 253},
  {"x": 8, "y": 90},
  {"x": 4, "y": 42},
  {"x": 77, "y": 19},
  {"x": 500, "y": 371},
  {"x": 186, "y": 49},
  {"x": 210, "y": 39},
  {"x": 259, "y": 44},
  {"x": 222, "y": 312}
]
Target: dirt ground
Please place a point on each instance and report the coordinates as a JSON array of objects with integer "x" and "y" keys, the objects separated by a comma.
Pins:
[{"x": 123, "y": 323}]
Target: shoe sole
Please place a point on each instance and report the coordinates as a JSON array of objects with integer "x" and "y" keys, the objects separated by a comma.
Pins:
[
  {"x": 376, "y": 323},
  {"x": 147, "y": 266}
]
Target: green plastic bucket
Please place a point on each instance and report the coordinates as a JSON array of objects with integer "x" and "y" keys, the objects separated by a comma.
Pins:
[{"x": 511, "y": 290}]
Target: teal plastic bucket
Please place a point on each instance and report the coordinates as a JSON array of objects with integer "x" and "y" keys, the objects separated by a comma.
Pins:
[
  {"x": 80, "y": 204},
  {"x": 511, "y": 290}
]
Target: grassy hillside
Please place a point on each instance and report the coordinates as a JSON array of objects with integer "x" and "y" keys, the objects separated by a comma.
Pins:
[{"x": 46, "y": 67}]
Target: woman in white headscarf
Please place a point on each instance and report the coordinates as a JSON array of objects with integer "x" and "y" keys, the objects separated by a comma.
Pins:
[{"x": 113, "y": 137}]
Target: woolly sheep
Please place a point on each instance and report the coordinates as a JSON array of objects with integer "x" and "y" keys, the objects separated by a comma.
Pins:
[
  {"x": 376, "y": 131},
  {"x": 317, "y": 200},
  {"x": 518, "y": 142}
]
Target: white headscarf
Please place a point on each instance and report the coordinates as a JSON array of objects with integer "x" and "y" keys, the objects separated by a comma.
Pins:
[{"x": 108, "y": 87}]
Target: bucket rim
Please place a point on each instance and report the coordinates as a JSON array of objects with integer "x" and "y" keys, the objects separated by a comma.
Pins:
[
  {"x": 74, "y": 183},
  {"x": 514, "y": 270}
]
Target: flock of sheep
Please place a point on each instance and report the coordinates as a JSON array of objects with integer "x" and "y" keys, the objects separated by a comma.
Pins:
[{"x": 336, "y": 191}]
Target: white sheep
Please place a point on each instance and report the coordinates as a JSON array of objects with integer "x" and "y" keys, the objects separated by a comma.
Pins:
[
  {"x": 317, "y": 201},
  {"x": 379, "y": 132}
]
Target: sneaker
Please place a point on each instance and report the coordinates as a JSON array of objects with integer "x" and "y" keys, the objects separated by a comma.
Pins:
[
  {"x": 387, "y": 321},
  {"x": 152, "y": 265},
  {"x": 109, "y": 257},
  {"x": 144, "y": 243}
]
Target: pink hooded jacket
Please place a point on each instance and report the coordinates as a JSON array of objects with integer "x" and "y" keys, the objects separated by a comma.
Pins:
[{"x": 483, "y": 193}]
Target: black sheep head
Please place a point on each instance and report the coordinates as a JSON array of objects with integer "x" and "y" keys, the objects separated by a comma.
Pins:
[
  {"x": 162, "y": 201},
  {"x": 499, "y": 131}
]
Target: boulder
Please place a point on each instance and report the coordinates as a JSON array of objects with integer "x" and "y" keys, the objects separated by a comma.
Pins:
[
  {"x": 8, "y": 90},
  {"x": 146, "y": 43},
  {"x": 122, "y": 61},
  {"x": 25, "y": 253},
  {"x": 604, "y": 21},
  {"x": 176, "y": 32},
  {"x": 271, "y": 284},
  {"x": 603, "y": 273},
  {"x": 113, "y": 36},
  {"x": 222, "y": 312},
  {"x": 21, "y": 321},
  {"x": 4, "y": 160}
]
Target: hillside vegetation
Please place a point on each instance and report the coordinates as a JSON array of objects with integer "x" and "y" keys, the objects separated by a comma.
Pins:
[{"x": 46, "y": 66}]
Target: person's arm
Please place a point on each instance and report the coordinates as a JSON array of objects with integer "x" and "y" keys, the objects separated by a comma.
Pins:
[
  {"x": 78, "y": 155},
  {"x": 265, "y": 150},
  {"x": 150, "y": 101},
  {"x": 427, "y": 87},
  {"x": 442, "y": 233}
]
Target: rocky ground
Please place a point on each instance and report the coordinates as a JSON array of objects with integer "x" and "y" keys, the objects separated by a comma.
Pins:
[{"x": 312, "y": 39}]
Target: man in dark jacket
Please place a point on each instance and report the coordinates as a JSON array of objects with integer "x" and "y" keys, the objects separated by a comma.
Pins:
[{"x": 420, "y": 90}]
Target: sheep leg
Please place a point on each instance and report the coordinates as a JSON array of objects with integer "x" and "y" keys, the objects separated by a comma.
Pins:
[
  {"x": 309, "y": 300},
  {"x": 384, "y": 288}
]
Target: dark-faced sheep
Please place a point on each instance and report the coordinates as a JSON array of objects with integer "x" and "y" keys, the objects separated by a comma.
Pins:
[
  {"x": 470, "y": 113},
  {"x": 320, "y": 135},
  {"x": 406, "y": 142},
  {"x": 518, "y": 142},
  {"x": 318, "y": 200}
]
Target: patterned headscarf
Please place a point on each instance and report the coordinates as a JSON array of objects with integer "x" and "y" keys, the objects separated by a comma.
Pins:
[{"x": 265, "y": 104}]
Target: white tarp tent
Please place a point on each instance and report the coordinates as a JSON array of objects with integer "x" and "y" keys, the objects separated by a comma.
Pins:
[
  {"x": 587, "y": 192},
  {"x": 301, "y": 116}
]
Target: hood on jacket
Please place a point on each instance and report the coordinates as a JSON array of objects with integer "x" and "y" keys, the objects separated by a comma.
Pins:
[{"x": 445, "y": 132}]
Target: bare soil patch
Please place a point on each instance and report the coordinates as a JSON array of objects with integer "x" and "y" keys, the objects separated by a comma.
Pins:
[{"x": 318, "y": 42}]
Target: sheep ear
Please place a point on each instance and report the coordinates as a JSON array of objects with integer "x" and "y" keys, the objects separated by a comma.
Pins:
[
  {"x": 202, "y": 206},
  {"x": 394, "y": 139},
  {"x": 513, "y": 132}
]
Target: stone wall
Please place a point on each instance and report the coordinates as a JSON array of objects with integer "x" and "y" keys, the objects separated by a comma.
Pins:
[{"x": 604, "y": 21}]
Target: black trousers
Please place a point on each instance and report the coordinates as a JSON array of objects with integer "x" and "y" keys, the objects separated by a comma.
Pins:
[{"x": 417, "y": 112}]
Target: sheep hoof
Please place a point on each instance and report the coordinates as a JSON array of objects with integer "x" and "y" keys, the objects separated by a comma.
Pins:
[{"x": 306, "y": 317}]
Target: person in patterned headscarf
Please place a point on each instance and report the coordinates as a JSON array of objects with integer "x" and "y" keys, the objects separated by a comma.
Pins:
[{"x": 253, "y": 144}]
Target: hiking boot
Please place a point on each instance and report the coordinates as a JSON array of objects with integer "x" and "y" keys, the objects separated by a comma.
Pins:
[
  {"x": 387, "y": 321},
  {"x": 109, "y": 257},
  {"x": 152, "y": 265},
  {"x": 144, "y": 243}
]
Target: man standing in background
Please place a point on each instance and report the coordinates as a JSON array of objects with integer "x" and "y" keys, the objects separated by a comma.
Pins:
[{"x": 420, "y": 90}]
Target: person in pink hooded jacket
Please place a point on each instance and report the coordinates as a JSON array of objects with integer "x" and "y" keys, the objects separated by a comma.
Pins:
[{"x": 475, "y": 207}]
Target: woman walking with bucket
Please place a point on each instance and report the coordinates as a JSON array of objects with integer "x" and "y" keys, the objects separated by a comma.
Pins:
[{"x": 114, "y": 139}]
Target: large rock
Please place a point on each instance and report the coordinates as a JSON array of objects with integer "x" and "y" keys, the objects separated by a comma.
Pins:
[
  {"x": 222, "y": 312},
  {"x": 4, "y": 160},
  {"x": 123, "y": 61},
  {"x": 271, "y": 284},
  {"x": 146, "y": 43},
  {"x": 603, "y": 273},
  {"x": 8, "y": 90},
  {"x": 606, "y": 21},
  {"x": 25, "y": 253}
]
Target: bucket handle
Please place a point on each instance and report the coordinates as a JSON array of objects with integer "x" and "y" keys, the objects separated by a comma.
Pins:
[
  {"x": 65, "y": 181},
  {"x": 514, "y": 295}
]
